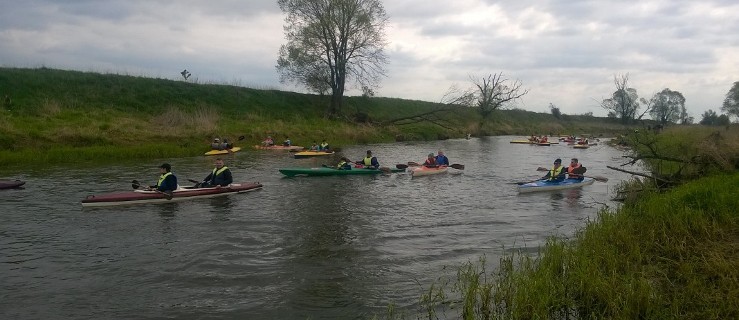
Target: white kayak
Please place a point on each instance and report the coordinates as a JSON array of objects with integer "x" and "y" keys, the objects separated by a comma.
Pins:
[{"x": 543, "y": 185}]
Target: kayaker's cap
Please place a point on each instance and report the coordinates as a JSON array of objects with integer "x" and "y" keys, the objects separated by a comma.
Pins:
[
  {"x": 166, "y": 166},
  {"x": 558, "y": 160},
  {"x": 369, "y": 151}
]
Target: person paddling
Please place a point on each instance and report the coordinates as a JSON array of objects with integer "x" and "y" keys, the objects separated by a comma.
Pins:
[
  {"x": 167, "y": 180},
  {"x": 220, "y": 176},
  {"x": 575, "y": 170},
  {"x": 344, "y": 164},
  {"x": 441, "y": 159},
  {"x": 369, "y": 161},
  {"x": 557, "y": 173},
  {"x": 430, "y": 161}
]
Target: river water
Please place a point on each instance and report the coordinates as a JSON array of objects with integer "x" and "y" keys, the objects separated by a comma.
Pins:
[{"x": 304, "y": 247}]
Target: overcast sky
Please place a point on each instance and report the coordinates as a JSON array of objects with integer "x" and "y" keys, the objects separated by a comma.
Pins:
[{"x": 565, "y": 52}]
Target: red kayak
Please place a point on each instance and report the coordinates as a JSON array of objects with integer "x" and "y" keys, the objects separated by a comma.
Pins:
[
  {"x": 10, "y": 184},
  {"x": 143, "y": 196}
]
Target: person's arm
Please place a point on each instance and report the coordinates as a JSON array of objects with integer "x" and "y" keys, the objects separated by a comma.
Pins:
[
  {"x": 208, "y": 178},
  {"x": 375, "y": 163},
  {"x": 169, "y": 184}
]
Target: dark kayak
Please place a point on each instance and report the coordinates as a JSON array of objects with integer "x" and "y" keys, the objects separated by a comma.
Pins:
[
  {"x": 323, "y": 171},
  {"x": 141, "y": 196},
  {"x": 10, "y": 184}
]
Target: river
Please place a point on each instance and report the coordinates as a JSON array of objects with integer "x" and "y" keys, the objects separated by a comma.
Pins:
[{"x": 304, "y": 247}]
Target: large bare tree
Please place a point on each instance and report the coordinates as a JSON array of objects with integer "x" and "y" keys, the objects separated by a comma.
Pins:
[
  {"x": 488, "y": 94},
  {"x": 331, "y": 42}
]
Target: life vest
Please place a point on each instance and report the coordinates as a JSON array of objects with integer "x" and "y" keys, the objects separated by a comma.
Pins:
[
  {"x": 217, "y": 171},
  {"x": 162, "y": 177},
  {"x": 430, "y": 162},
  {"x": 571, "y": 169},
  {"x": 341, "y": 164},
  {"x": 324, "y": 145},
  {"x": 554, "y": 173},
  {"x": 367, "y": 161}
]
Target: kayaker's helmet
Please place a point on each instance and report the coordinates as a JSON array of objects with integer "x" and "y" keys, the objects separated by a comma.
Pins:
[{"x": 166, "y": 166}]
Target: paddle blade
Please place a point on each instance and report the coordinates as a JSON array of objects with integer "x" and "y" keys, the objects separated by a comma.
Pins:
[
  {"x": 415, "y": 164},
  {"x": 167, "y": 195},
  {"x": 385, "y": 170},
  {"x": 457, "y": 166},
  {"x": 600, "y": 179},
  {"x": 241, "y": 138},
  {"x": 401, "y": 166}
]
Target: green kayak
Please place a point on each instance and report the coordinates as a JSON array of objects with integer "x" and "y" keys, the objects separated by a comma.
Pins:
[{"x": 323, "y": 171}]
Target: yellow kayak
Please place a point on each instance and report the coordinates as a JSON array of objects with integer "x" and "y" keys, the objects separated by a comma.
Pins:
[
  {"x": 227, "y": 151},
  {"x": 308, "y": 154}
]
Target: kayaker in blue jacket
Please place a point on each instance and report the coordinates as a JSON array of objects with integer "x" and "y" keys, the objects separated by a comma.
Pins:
[
  {"x": 219, "y": 177},
  {"x": 369, "y": 161},
  {"x": 167, "y": 180},
  {"x": 344, "y": 164},
  {"x": 557, "y": 173},
  {"x": 441, "y": 159}
]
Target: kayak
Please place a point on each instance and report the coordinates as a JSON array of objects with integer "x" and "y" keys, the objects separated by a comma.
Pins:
[
  {"x": 309, "y": 154},
  {"x": 534, "y": 142},
  {"x": 290, "y": 148},
  {"x": 542, "y": 185},
  {"x": 143, "y": 196},
  {"x": 10, "y": 184},
  {"x": 425, "y": 171},
  {"x": 580, "y": 146},
  {"x": 323, "y": 171},
  {"x": 227, "y": 151}
]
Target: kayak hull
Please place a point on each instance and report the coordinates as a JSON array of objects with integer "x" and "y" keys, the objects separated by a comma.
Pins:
[
  {"x": 424, "y": 171},
  {"x": 290, "y": 148},
  {"x": 142, "y": 197},
  {"x": 316, "y": 172},
  {"x": 11, "y": 184},
  {"x": 219, "y": 152},
  {"x": 542, "y": 185},
  {"x": 310, "y": 154}
]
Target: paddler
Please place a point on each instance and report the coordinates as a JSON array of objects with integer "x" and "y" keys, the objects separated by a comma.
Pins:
[
  {"x": 219, "y": 177},
  {"x": 167, "y": 180},
  {"x": 576, "y": 170},
  {"x": 369, "y": 161},
  {"x": 557, "y": 173}
]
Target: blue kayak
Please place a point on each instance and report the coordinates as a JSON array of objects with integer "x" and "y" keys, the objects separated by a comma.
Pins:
[{"x": 543, "y": 185}]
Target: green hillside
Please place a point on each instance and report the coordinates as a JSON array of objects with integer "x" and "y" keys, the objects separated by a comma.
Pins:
[{"x": 58, "y": 115}]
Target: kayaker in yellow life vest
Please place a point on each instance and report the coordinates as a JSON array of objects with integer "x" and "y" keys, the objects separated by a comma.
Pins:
[
  {"x": 219, "y": 177},
  {"x": 369, "y": 161},
  {"x": 557, "y": 173},
  {"x": 344, "y": 164},
  {"x": 167, "y": 180},
  {"x": 323, "y": 146}
]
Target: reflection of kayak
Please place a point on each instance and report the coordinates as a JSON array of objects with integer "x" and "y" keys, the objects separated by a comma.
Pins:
[
  {"x": 291, "y": 148},
  {"x": 308, "y": 154},
  {"x": 425, "y": 171},
  {"x": 323, "y": 171},
  {"x": 542, "y": 185},
  {"x": 10, "y": 184},
  {"x": 227, "y": 151},
  {"x": 141, "y": 196}
]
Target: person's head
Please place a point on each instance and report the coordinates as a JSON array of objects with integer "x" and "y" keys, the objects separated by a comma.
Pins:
[
  {"x": 441, "y": 153},
  {"x": 219, "y": 163},
  {"x": 165, "y": 167},
  {"x": 431, "y": 155},
  {"x": 557, "y": 162},
  {"x": 216, "y": 140},
  {"x": 369, "y": 153},
  {"x": 573, "y": 161}
]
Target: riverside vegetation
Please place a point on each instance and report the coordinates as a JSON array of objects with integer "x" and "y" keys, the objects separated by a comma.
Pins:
[
  {"x": 670, "y": 253},
  {"x": 56, "y": 116}
]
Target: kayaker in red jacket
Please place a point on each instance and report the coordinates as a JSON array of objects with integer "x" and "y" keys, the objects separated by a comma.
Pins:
[
  {"x": 430, "y": 161},
  {"x": 576, "y": 170}
]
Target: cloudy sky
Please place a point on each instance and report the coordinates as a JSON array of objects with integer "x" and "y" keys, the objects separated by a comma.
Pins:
[{"x": 565, "y": 52}]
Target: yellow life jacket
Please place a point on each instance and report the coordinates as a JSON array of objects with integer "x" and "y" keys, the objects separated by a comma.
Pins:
[
  {"x": 341, "y": 164},
  {"x": 162, "y": 177},
  {"x": 367, "y": 161},
  {"x": 554, "y": 173},
  {"x": 217, "y": 171}
]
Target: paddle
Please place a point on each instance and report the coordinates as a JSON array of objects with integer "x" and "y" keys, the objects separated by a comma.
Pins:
[
  {"x": 167, "y": 194},
  {"x": 596, "y": 178},
  {"x": 415, "y": 164}
]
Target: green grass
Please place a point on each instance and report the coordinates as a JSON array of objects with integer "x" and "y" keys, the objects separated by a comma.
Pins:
[{"x": 71, "y": 111}]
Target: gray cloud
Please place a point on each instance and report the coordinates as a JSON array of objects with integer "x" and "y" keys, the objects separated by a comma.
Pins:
[{"x": 565, "y": 52}]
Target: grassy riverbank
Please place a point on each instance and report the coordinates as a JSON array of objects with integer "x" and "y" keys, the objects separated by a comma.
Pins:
[
  {"x": 672, "y": 254},
  {"x": 56, "y": 116}
]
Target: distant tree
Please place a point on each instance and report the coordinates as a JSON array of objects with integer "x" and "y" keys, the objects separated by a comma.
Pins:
[
  {"x": 668, "y": 106},
  {"x": 587, "y": 114},
  {"x": 710, "y": 118},
  {"x": 185, "y": 74},
  {"x": 331, "y": 42},
  {"x": 624, "y": 102},
  {"x": 488, "y": 94},
  {"x": 731, "y": 102},
  {"x": 555, "y": 111}
]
